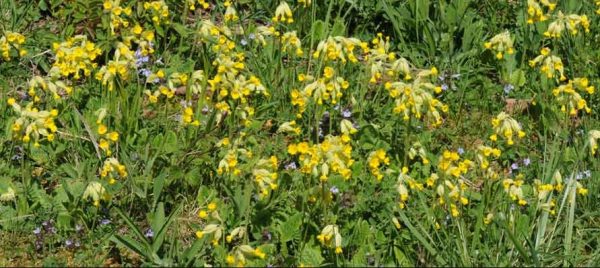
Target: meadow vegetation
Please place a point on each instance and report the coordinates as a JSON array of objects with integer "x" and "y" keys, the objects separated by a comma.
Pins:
[{"x": 299, "y": 133}]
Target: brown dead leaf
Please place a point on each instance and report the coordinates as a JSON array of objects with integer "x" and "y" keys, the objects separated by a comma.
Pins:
[
  {"x": 516, "y": 106},
  {"x": 149, "y": 114}
]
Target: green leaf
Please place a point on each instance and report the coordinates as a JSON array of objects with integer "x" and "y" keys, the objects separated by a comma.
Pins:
[
  {"x": 311, "y": 256},
  {"x": 339, "y": 28},
  {"x": 401, "y": 258},
  {"x": 290, "y": 229},
  {"x": 157, "y": 187},
  {"x": 318, "y": 30},
  {"x": 517, "y": 78},
  {"x": 170, "y": 142},
  {"x": 158, "y": 217},
  {"x": 180, "y": 29},
  {"x": 131, "y": 244},
  {"x": 161, "y": 231}
]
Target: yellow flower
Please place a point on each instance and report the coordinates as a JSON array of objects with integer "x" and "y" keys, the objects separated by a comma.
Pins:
[
  {"x": 283, "y": 13},
  {"x": 102, "y": 129},
  {"x": 113, "y": 136},
  {"x": 199, "y": 234}
]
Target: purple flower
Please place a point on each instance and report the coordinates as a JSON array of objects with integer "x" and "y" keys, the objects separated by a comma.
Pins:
[
  {"x": 508, "y": 88},
  {"x": 346, "y": 113},
  {"x": 291, "y": 165},
  {"x": 68, "y": 243},
  {"x": 334, "y": 190},
  {"x": 37, "y": 231},
  {"x": 149, "y": 233},
  {"x": 145, "y": 72},
  {"x": 526, "y": 161},
  {"x": 460, "y": 151},
  {"x": 514, "y": 166},
  {"x": 444, "y": 87},
  {"x": 105, "y": 221}
]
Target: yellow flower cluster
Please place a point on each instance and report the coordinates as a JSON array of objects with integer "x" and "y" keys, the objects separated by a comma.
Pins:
[
  {"x": 11, "y": 40},
  {"x": 450, "y": 164},
  {"x": 113, "y": 7},
  {"x": 218, "y": 35},
  {"x": 236, "y": 233},
  {"x": 32, "y": 124},
  {"x": 330, "y": 237},
  {"x": 502, "y": 44},
  {"x": 216, "y": 230},
  {"x": 385, "y": 65},
  {"x": 232, "y": 82},
  {"x": 569, "y": 98},
  {"x": 290, "y": 127},
  {"x": 327, "y": 89},
  {"x": 74, "y": 56},
  {"x": 197, "y": 81},
  {"x": 262, "y": 32},
  {"x": 376, "y": 159},
  {"x": 332, "y": 155},
  {"x": 214, "y": 223},
  {"x": 415, "y": 98},
  {"x": 549, "y": 64},
  {"x": 505, "y": 126},
  {"x": 229, "y": 163},
  {"x": 143, "y": 38},
  {"x": 454, "y": 194},
  {"x": 203, "y": 4},
  {"x": 403, "y": 191},
  {"x": 240, "y": 253},
  {"x": 96, "y": 192},
  {"x": 593, "y": 137},
  {"x": 543, "y": 191},
  {"x": 49, "y": 85},
  {"x": 265, "y": 175},
  {"x": 120, "y": 65},
  {"x": 7, "y": 194},
  {"x": 231, "y": 14},
  {"x": 106, "y": 138},
  {"x": 233, "y": 153},
  {"x": 572, "y": 184},
  {"x": 418, "y": 150},
  {"x": 113, "y": 170},
  {"x": 283, "y": 13},
  {"x": 483, "y": 152},
  {"x": 306, "y": 3},
  {"x": 535, "y": 12},
  {"x": 569, "y": 22},
  {"x": 159, "y": 11},
  {"x": 188, "y": 117},
  {"x": 291, "y": 41},
  {"x": 514, "y": 190},
  {"x": 339, "y": 48}
]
